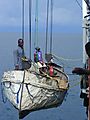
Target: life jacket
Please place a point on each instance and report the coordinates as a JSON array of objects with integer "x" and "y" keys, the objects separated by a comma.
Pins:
[{"x": 51, "y": 71}]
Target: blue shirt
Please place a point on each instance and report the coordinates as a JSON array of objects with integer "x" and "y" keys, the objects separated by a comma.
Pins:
[{"x": 19, "y": 53}]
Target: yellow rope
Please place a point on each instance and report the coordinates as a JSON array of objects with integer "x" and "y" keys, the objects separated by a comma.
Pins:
[
  {"x": 74, "y": 85},
  {"x": 77, "y": 83}
]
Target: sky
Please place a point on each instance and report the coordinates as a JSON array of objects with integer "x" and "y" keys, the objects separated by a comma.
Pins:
[{"x": 65, "y": 13}]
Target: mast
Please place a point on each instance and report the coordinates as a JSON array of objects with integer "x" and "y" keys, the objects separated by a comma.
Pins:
[
  {"x": 47, "y": 26},
  {"x": 23, "y": 19},
  {"x": 36, "y": 24},
  {"x": 51, "y": 26},
  {"x": 30, "y": 2},
  {"x": 49, "y": 56}
]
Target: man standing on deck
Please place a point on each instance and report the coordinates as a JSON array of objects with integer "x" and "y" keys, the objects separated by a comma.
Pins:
[
  {"x": 19, "y": 54},
  {"x": 20, "y": 61}
]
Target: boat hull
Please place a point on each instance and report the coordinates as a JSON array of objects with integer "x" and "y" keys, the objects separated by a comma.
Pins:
[{"x": 30, "y": 91}]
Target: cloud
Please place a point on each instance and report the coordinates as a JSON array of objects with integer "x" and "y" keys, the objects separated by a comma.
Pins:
[
  {"x": 64, "y": 12},
  {"x": 10, "y": 13},
  {"x": 65, "y": 16}
]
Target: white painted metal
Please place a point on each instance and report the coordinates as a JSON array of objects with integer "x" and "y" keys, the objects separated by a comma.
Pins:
[{"x": 85, "y": 32}]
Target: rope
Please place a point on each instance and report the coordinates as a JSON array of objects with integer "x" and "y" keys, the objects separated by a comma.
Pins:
[
  {"x": 31, "y": 96},
  {"x": 36, "y": 25},
  {"x": 7, "y": 82},
  {"x": 77, "y": 83},
  {"x": 18, "y": 94},
  {"x": 23, "y": 19},
  {"x": 9, "y": 87},
  {"x": 4, "y": 99},
  {"x": 30, "y": 5},
  {"x": 10, "y": 84},
  {"x": 79, "y": 4},
  {"x": 17, "y": 91},
  {"x": 47, "y": 25},
  {"x": 51, "y": 26},
  {"x": 64, "y": 59},
  {"x": 22, "y": 90}
]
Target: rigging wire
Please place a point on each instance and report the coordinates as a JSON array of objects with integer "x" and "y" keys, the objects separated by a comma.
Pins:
[
  {"x": 4, "y": 99},
  {"x": 47, "y": 26},
  {"x": 22, "y": 90},
  {"x": 36, "y": 25},
  {"x": 23, "y": 19},
  {"x": 30, "y": 5},
  {"x": 51, "y": 26},
  {"x": 79, "y": 4},
  {"x": 65, "y": 59}
]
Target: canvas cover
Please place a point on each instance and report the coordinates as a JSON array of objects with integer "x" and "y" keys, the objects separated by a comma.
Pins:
[{"x": 30, "y": 90}]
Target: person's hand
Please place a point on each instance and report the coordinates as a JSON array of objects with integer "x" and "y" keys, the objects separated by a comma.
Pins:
[
  {"x": 42, "y": 62},
  {"x": 24, "y": 59}
]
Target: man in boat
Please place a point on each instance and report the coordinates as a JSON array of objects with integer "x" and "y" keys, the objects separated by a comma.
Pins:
[
  {"x": 21, "y": 62},
  {"x": 38, "y": 59}
]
